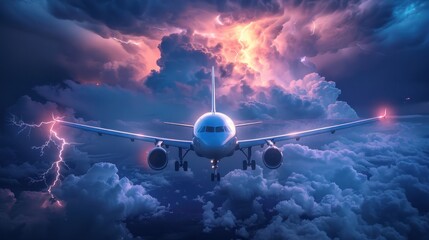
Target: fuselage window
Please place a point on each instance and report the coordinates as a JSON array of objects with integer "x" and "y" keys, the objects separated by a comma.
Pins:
[{"x": 209, "y": 129}]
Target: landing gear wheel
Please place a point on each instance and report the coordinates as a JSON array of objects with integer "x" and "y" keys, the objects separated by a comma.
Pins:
[
  {"x": 248, "y": 163},
  {"x": 244, "y": 165},
  {"x": 185, "y": 166},
  {"x": 180, "y": 163},
  {"x": 176, "y": 166},
  {"x": 215, "y": 175}
]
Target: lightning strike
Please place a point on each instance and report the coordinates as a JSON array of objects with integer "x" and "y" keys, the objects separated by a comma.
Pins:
[
  {"x": 58, "y": 141},
  {"x": 244, "y": 39},
  {"x": 126, "y": 42}
]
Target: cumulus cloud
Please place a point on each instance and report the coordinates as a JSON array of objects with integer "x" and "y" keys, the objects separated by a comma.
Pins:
[
  {"x": 99, "y": 199},
  {"x": 309, "y": 97},
  {"x": 241, "y": 208},
  {"x": 360, "y": 186},
  {"x": 182, "y": 67},
  {"x": 226, "y": 219},
  {"x": 96, "y": 203}
]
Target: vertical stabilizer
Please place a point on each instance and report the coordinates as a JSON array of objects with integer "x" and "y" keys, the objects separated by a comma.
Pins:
[{"x": 213, "y": 91}]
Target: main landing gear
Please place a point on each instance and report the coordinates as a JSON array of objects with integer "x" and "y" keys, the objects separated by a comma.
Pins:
[
  {"x": 215, "y": 175},
  {"x": 248, "y": 162},
  {"x": 181, "y": 163}
]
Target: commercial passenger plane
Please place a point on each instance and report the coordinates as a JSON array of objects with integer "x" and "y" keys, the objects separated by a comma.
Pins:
[{"x": 214, "y": 137}]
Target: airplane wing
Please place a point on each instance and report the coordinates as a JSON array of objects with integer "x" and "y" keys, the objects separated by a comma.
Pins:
[
  {"x": 179, "y": 124},
  {"x": 247, "y": 124},
  {"x": 132, "y": 136},
  {"x": 297, "y": 135}
]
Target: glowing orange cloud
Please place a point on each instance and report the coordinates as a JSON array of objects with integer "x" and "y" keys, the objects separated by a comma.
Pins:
[{"x": 261, "y": 49}]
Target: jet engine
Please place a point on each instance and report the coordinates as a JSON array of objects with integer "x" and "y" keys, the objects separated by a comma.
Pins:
[
  {"x": 157, "y": 158},
  {"x": 272, "y": 157}
]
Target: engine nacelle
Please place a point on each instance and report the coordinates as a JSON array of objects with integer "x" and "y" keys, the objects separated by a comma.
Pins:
[
  {"x": 157, "y": 158},
  {"x": 272, "y": 157}
]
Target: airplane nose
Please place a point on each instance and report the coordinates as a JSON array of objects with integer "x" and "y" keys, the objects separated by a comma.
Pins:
[
  {"x": 214, "y": 143},
  {"x": 215, "y": 147}
]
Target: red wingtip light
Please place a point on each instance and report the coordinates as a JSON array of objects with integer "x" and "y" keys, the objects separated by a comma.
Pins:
[{"x": 385, "y": 113}]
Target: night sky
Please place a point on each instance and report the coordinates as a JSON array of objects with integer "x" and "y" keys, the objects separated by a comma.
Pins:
[{"x": 295, "y": 65}]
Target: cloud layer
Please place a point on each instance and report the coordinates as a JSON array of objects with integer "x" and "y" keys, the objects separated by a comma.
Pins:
[
  {"x": 95, "y": 203},
  {"x": 362, "y": 186}
]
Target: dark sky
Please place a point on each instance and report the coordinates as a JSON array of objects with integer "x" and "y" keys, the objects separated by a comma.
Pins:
[{"x": 295, "y": 65}]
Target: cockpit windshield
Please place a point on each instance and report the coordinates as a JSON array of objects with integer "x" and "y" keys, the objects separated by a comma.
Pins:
[
  {"x": 214, "y": 129},
  {"x": 220, "y": 129}
]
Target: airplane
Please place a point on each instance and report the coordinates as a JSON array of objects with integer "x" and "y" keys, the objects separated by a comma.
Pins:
[{"x": 214, "y": 137}]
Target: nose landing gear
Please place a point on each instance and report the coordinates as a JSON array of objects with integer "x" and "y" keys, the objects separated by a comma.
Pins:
[{"x": 215, "y": 175}]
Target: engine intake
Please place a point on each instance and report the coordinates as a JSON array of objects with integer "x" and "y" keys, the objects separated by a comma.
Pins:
[
  {"x": 272, "y": 157},
  {"x": 157, "y": 158}
]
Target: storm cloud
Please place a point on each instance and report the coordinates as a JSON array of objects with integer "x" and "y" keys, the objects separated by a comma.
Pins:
[{"x": 293, "y": 64}]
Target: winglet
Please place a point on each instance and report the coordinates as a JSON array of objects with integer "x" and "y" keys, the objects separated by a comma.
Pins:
[{"x": 213, "y": 92}]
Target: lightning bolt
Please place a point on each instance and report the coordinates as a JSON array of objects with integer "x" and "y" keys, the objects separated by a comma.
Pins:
[
  {"x": 313, "y": 29},
  {"x": 127, "y": 42},
  {"x": 243, "y": 41},
  {"x": 54, "y": 138}
]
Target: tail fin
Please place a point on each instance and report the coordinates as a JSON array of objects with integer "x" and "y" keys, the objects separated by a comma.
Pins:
[{"x": 213, "y": 92}]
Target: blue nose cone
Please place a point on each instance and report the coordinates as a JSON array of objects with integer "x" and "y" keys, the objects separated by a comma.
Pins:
[
  {"x": 214, "y": 143},
  {"x": 213, "y": 147}
]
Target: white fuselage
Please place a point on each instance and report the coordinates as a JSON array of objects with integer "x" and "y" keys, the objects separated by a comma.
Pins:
[{"x": 214, "y": 136}]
